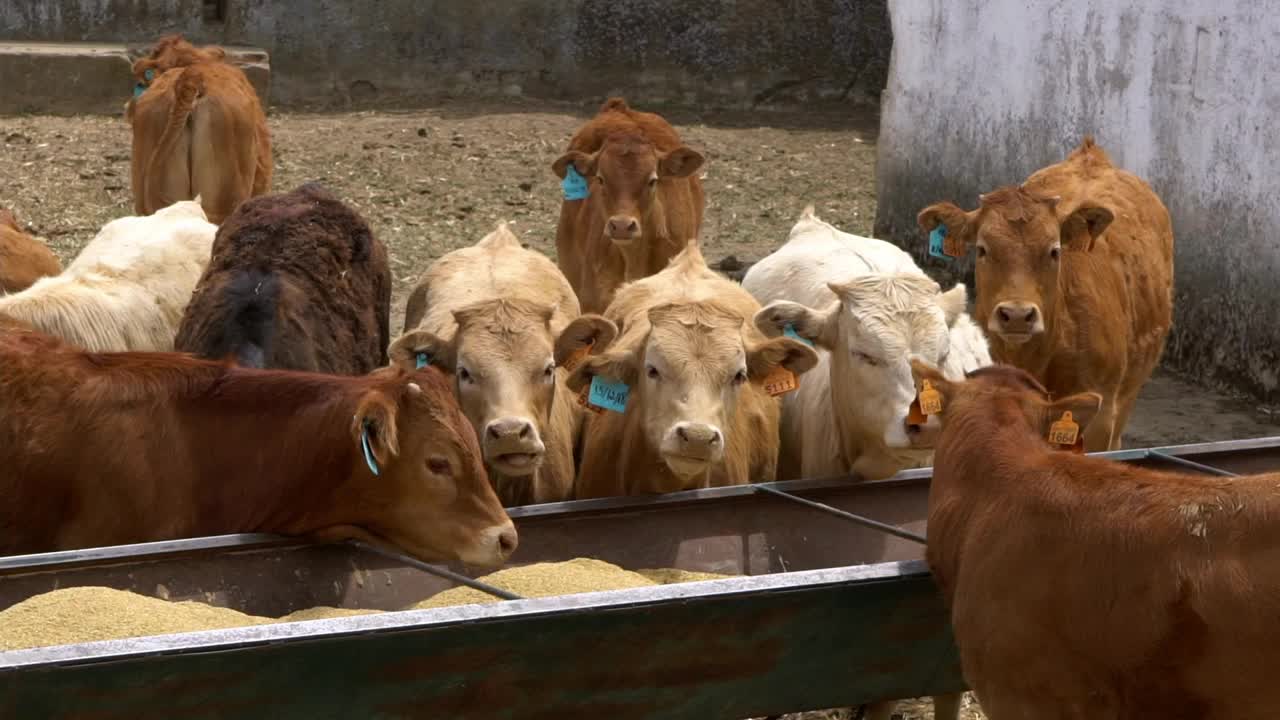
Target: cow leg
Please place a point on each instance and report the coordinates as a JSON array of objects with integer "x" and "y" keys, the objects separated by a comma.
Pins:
[
  {"x": 947, "y": 707},
  {"x": 223, "y": 158},
  {"x": 1098, "y": 434}
]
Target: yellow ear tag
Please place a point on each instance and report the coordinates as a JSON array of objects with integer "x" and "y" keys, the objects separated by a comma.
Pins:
[
  {"x": 572, "y": 362},
  {"x": 914, "y": 415},
  {"x": 584, "y": 400},
  {"x": 1064, "y": 431},
  {"x": 780, "y": 381},
  {"x": 930, "y": 399}
]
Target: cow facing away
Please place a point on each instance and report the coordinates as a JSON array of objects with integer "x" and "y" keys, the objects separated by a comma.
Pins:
[
  {"x": 632, "y": 199},
  {"x": 490, "y": 315},
  {"x": 1074, "y": 278},
  {"x": 868, "y": 309},
  {"x": 297, "y": 281},
  {"x": 1084, "y": 588},
  {"x": 23, "y": 259},
  {"x": 198, "y": 129},
  {"x": 106, "y": 449},
  {"x": 128, "y": 288},
  {"x": 697, "y": 414}
]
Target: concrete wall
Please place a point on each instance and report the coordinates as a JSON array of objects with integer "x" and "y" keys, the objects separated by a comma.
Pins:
[
  {"x": 983, "y": 92},
  {"x": 327, "y": 52}
]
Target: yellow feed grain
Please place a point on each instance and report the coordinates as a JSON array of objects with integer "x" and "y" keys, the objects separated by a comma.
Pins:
[
  {"x": 672, "y": 576},
  {"x": 579, "y": 575},
  {"x": 324, "y": 613}
]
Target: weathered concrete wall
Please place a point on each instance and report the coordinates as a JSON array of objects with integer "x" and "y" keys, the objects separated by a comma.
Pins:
[
  {"x": 324, "y": 52},
  {"x": 983, "y": 92}
]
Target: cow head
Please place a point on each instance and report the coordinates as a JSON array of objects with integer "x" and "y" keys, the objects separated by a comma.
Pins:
[
  {"x": 1022, "y": 241},
  {"x": 1002, "y": 396},
  {"x": 877, "y": 324},
  {"x": 419, "y": 480},
  {"x": 502, "y": 358},
  {"x": 686, "y": 370},
  {"x": 173, "y": 51},
  {"x": 624, "y": 177}
]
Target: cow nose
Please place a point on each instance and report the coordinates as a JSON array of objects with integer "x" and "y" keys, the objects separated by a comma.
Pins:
[
  {"x": 509, "y": 428},
  {"x": 507, "y": 541},
  {"x": 623, "y": 226},
  {"x": 698, "y": 436},
  {"x": 1017, "y": 318}
]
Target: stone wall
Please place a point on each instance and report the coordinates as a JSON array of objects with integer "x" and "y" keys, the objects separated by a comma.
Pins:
[{"x": 983, "y": 92}]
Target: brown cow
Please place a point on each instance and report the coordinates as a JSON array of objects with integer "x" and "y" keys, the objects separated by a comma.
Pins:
[
  {"x": 1085, "y": 588},
  {"x": 490, "y": 315},
  {"x": 645, "y": 201},
  {"x": 697, "y": 415},
  {"x": 111, "y": 448},
  {"x": 1074, "y": 279},
  {"x": 198, "y": 129},
  {"x": 297, "y": 281},
  {"x": 23, "y": 259}
]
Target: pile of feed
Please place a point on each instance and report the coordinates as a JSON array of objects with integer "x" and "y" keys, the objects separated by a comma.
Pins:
[{"x": 87, "y": 614}]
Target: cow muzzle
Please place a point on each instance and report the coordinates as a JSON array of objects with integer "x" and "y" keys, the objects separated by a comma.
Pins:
[
  {"x": 690, "y": 448},
  {"x": 512, "y": 446},
  {"x": 493, "y": 547},
  {"x": 1016, "y": 322},
  {"x": 622, "y": 228}
]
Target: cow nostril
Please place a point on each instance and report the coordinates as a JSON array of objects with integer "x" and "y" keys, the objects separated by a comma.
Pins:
[
  {"x": 1031, "y": 315},
  {"x": 525, "y": 429},
  {"x": 631, "y": 226},
  {"x": 682, "y": 434},
  {"x": 493, "y": 432},
  {"x": 1004, "y": 315},
  {"x": 914, "y": 428},
  {"x": 715, "y": 439},
  {"x": 507, "y": 541}
]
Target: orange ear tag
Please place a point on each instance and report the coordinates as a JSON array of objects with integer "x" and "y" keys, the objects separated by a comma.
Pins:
[
  {"x": 930, "y": 399},
  {"x": 583, "y": 400},
  {"x": 780, "y": 381},
  {"x": 914, "y": 415},
  {"x": 572, "y": 362},
  {"x": 1065, "y": 431}
]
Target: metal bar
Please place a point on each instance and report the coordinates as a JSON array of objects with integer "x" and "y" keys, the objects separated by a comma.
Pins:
[
  {"x": 437, "y": 571},
  {"x": 1190, "y": 464},
  {"x": 859, "y": 519}
]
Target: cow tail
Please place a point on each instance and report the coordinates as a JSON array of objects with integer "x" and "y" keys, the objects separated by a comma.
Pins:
[{"x": 186, "y": 91}]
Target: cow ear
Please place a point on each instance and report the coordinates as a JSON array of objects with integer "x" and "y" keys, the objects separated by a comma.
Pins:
[
  {"x": 419, "y": 348},
  {"x": 1084, "y": 225},
  {"x": 954, "y": 302},
  {"x": 1082, "y": 406},
  {"x": 587, "y": 334},
  {"x": 765, "y": 358},
  {"x": 373, "y": 428},
  {"x": 681, "y": 162},
  {"x": 922, "y": 371},
  {"x": 959, "y": 224},
  {"x": 585, "y": 164},
  {"x": 818, "y": 327},
  {"x": 616, "y": 364}
]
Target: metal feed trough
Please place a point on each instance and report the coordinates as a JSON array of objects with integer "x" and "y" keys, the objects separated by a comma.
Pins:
[{"x": 832, "y": 609}]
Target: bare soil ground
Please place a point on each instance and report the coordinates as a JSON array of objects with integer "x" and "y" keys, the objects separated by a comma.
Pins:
[{"x": 430, "y": 181}]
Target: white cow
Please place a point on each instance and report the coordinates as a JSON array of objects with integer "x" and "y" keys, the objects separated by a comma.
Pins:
[
  {"x": 868, "y": 308},
  {"x": 128, "y": 288}
]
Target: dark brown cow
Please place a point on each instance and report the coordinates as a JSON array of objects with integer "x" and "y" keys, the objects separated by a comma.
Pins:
[
  {"x": 297, "y": 281},
  {"x": 1085, "y": 588},
  {"x": 23, "y": 259},
  {"x": 111, "y": 448},
  {"x": 645, "y": 201}
]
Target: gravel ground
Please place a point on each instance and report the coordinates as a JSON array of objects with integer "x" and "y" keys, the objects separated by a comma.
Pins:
[{"x": 433, "y": 180}]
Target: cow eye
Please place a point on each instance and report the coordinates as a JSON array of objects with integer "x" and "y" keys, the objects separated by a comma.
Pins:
[
  {"x": 549, "y": 372},
  {"x": 464, "y": 375},
  {"x": 439, "y": 465},
  {"x": 1055, "y": 252},
  {"x": 982, "y": 251},
  {"x": 653, "y": 181},
  {"x": 740, "y": 377},
  {"x": 865, "y": 358},
  {"x": 652, "y": 372}
]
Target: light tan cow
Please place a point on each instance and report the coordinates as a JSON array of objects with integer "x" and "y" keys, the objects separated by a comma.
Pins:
[
  {"x": 490, "y": 314},
  {"x": 198, "y": 129},
  {"x": 1074, "y": 279},
  {"x": 698, "y": 414},
  {"x": 23, "y": 259}
]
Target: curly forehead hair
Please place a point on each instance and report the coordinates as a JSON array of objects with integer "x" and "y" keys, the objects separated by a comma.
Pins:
[{"x": 173, "y": 51}]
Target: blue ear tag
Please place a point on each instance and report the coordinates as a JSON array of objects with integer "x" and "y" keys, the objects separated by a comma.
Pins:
[
  {"x": 935, "y": 242},
  {"x": 139, "y": 89},
  {"x": 608, "y": 394},
  {"x": 574, "y": 185},
  {"x": 790, "y": 331},
  {"x": 149, "y": 74},
  {"x": 422, "y": 360},
  {"x": 368, "y": 454}
]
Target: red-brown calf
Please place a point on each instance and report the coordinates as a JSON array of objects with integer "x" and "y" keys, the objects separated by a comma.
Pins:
[
  {"x": 112, "y": 448},
  {"x": 1085, "y": 588}
]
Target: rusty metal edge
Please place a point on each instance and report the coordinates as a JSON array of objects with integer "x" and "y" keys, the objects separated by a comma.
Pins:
[{"x": 108, "y": 651}]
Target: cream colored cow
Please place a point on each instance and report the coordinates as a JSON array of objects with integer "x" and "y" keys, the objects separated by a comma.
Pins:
[
  {"x": 697, "y": 414},
  {"x": 128, "y": 288},
  {"x": 490, "y": 314}
]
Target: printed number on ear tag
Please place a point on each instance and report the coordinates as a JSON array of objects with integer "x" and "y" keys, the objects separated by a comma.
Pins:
[
  {"x": 1064, "y": 431},
  {"x": 930, "y": 400},
  {"x": 780, "y": 381},
  {"x": 937, "y": 247},
  {"x": 573, "y": 361},
  {"x": 608, "y": 394}
]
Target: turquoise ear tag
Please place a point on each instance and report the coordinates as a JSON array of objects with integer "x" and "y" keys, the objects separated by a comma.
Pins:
[
  {"x": 608, "y": 394},
  {"x": 574, "y": 185},
  {"x": 150, "y": 74},
  {"x": 936, "y": 242},
  {"x": 368, "y": 454},
  {"x": 790, "y": 331},
  {"x": 422, "y": 360},
  {"x": 139, "y": 89}
]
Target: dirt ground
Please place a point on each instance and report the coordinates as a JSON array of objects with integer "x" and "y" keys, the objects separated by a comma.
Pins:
[{"x": 429, "y": 181}]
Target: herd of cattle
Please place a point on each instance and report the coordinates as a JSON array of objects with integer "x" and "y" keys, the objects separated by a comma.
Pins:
[{"x": 627, "y": 366}]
